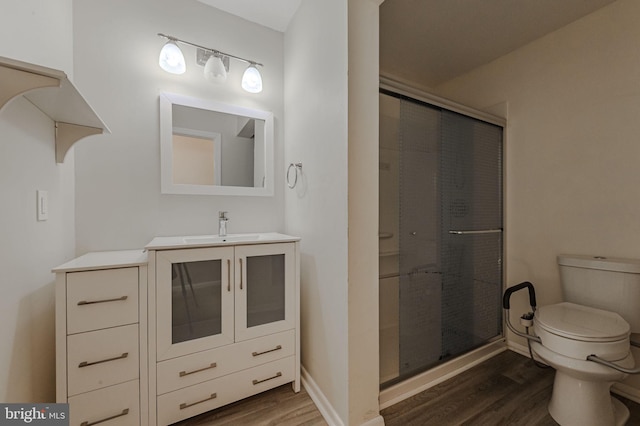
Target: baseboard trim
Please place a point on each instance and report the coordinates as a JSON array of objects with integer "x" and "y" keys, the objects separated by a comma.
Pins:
[
  {"x": 439, "y": 374},
  {"x": 519, "y": 348},
  {"x": 317, "y": 396},
  {"x": 376, "y": 421}
]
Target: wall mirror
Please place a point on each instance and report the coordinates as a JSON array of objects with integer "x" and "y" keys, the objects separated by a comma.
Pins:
[{"x": 208, "y": 147}]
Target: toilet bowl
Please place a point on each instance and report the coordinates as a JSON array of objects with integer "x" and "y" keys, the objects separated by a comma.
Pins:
[
  {"x": 586, "y": 338},
  {"x": 568, "y": 334}
]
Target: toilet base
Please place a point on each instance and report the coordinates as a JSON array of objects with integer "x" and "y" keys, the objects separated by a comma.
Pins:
[{"x": 585, "y": 403}]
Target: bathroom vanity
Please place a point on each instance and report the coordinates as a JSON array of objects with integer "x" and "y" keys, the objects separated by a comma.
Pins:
[
  {"x": 214, "y": 320},
  {"x": 223, "y": 320}
]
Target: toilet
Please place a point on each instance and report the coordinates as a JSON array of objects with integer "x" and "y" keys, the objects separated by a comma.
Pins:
[{"x": 601, "y": 309}]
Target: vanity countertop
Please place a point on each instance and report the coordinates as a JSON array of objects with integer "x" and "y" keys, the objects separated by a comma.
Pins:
[
  {"x": 165, "y": 243},
  {"x": 104, "y": 260}
]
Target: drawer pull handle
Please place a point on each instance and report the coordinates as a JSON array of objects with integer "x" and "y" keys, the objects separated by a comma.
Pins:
[
  {"x": 185, "y": 405},
  {"x": 277, "y": 348},
  {"x": 93, "y": 302},
  {"x": 228, "y": 274},
  {"x": 86, "y": 364},
  {"x": 278, "y": 374},
  {"x": 240, "y": 273},
  {"x": 186, "y": 373},
  {"x": 124, "y": 413}
]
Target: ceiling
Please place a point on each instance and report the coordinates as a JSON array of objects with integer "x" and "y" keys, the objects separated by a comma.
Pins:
[
  {"x": 428, "y": 42},
  {"x": 274, "y": 14}
]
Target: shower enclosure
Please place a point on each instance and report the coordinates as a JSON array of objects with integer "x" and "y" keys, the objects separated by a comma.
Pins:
[{"x": 440, "y": 235}]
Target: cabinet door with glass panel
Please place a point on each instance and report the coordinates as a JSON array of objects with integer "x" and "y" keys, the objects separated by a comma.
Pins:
[
  {"x": 265, "y": 277},
  {"x": 194, "y": 305}
]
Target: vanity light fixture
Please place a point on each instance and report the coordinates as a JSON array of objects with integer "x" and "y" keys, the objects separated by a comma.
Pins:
[
  {"x": 171, "y": 58},
  {"x": 215, "y": 62},
  {"x": 214, "y": 69},
  {"x": 251, "y": 79}
]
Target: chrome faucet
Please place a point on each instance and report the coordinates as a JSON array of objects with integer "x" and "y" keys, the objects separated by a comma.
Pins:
[{"x": 222, "y": 224}]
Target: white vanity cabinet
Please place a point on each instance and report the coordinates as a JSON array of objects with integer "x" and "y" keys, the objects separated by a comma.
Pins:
[
  {"x": 224, "y": 321},
  {"x": 101, "y": 350}
]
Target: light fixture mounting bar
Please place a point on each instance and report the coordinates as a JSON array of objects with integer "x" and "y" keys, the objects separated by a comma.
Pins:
[{"x": 214, "y": 51}]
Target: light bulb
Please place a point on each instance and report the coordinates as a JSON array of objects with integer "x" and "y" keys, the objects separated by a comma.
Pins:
[
  {"x": 252, "y": 80},
  {"x": 171, "y": 58},
  {"x": 214, "y": 69}
]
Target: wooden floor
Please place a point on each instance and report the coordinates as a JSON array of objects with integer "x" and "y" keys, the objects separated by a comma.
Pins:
[
  {"x": 505, "y": 390},
  {"x": 277, "y": 407}
]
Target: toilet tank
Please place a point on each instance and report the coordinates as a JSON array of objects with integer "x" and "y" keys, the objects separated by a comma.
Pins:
[{"x": 612, "y": 284}]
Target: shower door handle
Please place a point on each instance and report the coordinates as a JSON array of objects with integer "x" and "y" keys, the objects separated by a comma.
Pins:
[{"x": 482, "y": 231}]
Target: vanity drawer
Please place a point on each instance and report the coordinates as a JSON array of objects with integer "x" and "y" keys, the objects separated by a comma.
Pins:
[
  {"x": 101, "y": 299},
  {"x": 102, "y": 358},
  {"x": 188, "y": 402},
  {"x": 120, "y": 404},
  {"x": 187, "y": 370}
]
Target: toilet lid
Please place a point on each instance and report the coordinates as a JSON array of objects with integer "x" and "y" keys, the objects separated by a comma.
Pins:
[{"x": 583, "y": 323}]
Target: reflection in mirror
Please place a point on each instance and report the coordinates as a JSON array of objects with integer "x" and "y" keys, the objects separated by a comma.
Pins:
[{"x": 212, "y": 148}]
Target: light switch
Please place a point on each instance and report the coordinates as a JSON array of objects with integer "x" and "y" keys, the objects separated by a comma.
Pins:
[{"x": 42, "y": 205}]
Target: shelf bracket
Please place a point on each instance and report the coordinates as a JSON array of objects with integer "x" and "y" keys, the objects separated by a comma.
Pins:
[
  {"x": 67, "y": 134},
  {"x": 21, "y": 82}
]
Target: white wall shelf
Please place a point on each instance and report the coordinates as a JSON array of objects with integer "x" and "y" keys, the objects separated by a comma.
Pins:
[{"x": 53, "y": 93}]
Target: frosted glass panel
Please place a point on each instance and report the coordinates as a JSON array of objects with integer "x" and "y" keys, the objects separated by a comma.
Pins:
[
  {"x": 420, "y": 280},
  {"x": 440, "y": 235},
  {"x": 195, "y": 300},
  {"x": 471, "y": 200},
  {"x": 265, "y": 289}
]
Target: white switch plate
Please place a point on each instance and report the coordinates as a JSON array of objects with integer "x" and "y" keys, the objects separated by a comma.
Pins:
[{"x": 42, "y": 205}]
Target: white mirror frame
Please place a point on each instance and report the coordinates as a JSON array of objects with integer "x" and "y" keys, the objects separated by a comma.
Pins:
[{"x": 167, "y": 100}]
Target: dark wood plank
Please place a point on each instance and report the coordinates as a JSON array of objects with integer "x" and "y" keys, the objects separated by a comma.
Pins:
[
  {"x": 506, "y": 390},
  {"x": 280, "y": 406}
]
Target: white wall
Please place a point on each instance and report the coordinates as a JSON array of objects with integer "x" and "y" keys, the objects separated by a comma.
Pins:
[
  {"x": 572, "y": 143},
  {"x": 38, "y": 32},
  {"x": 331, "y": 106},
  {"x": 317, "y": 209},
  {"x": 116, "y": 47}
]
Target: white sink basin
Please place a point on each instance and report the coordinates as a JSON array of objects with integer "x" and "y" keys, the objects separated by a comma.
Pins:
[{"x": 215, "y": 239}]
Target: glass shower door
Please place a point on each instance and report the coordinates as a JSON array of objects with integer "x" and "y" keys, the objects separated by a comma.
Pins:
[
  {"x": 441, "y": 235},
  {"x": 470, "y": 232}
]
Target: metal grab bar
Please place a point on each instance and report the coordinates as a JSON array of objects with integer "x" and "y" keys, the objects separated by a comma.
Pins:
[
  {"x": 482, "y": 231},
  {"x": 599, "y": 360},
  {"x": 506, "y": 305}
]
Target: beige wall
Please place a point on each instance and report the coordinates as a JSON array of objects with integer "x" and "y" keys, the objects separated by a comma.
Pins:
[
  {"x": 572, "y": 150},
  {"x": 363, "y": 153},
  {"x": 37, "y": 32}
]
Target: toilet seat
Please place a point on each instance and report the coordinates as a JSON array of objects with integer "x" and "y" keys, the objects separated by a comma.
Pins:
[
  {"x": 578, "y": 331},
  {"x": 582, "y": 323}
]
